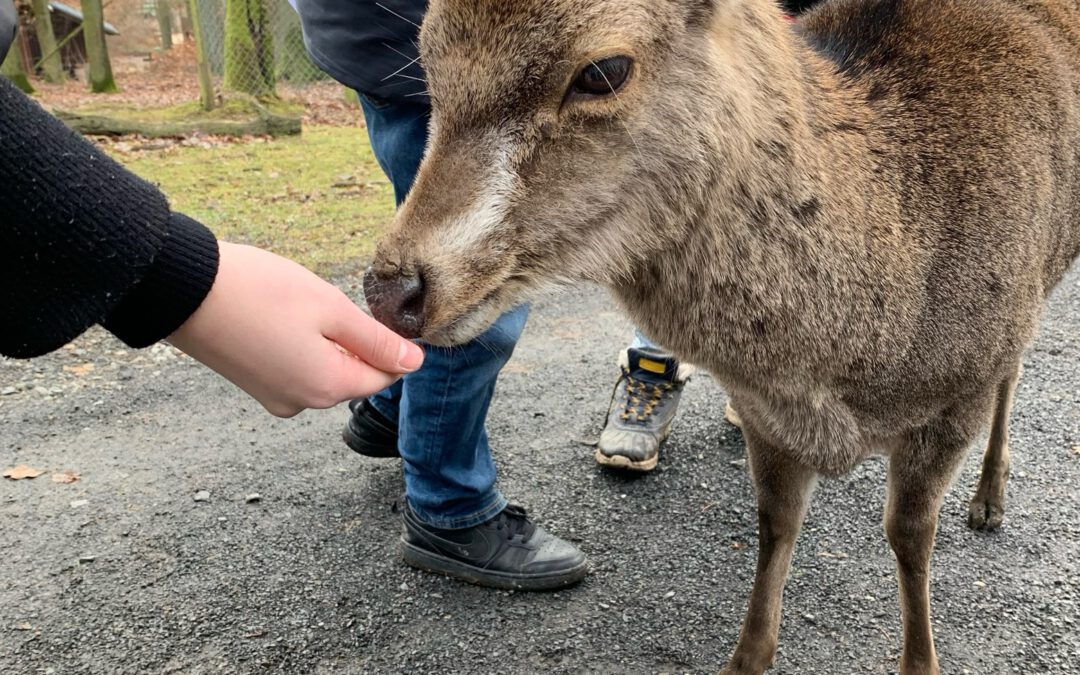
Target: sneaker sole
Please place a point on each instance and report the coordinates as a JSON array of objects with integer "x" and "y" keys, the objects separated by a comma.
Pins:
[
  {"x": 625, "y": 463},
  {"x": 433, "y": 562}
]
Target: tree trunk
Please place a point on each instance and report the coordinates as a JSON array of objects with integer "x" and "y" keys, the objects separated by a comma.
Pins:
[
  {"x": 97, "y": 52},
  {"x": 249, "y": 48},
  {"x": 164, "y": 19},
  {"x": 206, "y": 83},
  {"x": 14, "y": 70},
  {"x": 52, "y": 67}
]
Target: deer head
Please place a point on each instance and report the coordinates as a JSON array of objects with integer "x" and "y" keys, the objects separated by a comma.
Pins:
[{"x": 569, "y": 140}]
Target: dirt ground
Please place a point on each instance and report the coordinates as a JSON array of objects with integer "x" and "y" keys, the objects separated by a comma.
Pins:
[
  {"x": 170, "y": 78},
  {"x": 132, "y": 570}
]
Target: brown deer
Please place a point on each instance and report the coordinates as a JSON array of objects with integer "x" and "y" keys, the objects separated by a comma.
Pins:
[{"x": 852, "y": 221}]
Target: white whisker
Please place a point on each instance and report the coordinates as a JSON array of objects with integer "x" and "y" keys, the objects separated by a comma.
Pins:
[
  {"x": 401, "y": 69},
  {"x": 401, "y": 53},
  {"x": 382, "y": 6},
  {"x": 621, "y": 120}
]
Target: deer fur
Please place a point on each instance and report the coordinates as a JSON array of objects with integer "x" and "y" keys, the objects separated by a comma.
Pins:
[{"x": 852, "y": 221}]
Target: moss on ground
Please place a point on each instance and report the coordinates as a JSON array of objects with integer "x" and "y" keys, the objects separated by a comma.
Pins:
[
  {"x": 234, "y": 108},
  {"x": 319, "y": 198}
]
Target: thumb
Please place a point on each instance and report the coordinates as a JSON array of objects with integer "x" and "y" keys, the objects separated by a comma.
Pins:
[
  {"x": 357, "y": 379},
  {"x": 374, "y": 343}
]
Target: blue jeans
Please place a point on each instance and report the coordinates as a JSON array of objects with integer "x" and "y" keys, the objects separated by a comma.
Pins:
[{"x": 440, "y": 409}]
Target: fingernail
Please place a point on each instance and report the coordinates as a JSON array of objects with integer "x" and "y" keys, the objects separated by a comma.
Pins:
[{"x": 411, "y": 356}]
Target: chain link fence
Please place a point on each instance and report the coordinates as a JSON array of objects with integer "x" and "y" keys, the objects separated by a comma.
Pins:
[{"x": 286, "y": 42}]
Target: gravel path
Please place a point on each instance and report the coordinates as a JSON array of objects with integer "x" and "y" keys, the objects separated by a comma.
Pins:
[{"x": 132, "y": 570}]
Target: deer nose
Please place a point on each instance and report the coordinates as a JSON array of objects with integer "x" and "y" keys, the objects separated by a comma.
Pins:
[{"x": 396, "y": 298}]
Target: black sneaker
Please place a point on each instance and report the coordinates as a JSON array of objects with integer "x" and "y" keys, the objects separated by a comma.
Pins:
[
  {"x": 369, "y": 432},
  {"x": 642, "y": 410},
  {"x": 508, "y": 552}
]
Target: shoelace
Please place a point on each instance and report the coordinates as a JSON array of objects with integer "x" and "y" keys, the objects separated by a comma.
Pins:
[
  {"x": 514, "y": 521},
  {"x": 642, "y": 398}
]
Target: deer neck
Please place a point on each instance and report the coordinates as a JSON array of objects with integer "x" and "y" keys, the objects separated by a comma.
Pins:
[{"x": 792, "y": 248}]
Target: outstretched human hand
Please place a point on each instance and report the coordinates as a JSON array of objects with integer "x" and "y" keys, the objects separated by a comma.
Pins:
[{"x": 289, "y": 339}]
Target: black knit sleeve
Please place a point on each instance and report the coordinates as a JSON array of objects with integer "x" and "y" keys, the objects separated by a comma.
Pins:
[{"x": 84, "y": 241}]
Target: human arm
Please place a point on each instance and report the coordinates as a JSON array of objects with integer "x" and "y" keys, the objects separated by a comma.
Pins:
[{"x": 83, "y": 241}]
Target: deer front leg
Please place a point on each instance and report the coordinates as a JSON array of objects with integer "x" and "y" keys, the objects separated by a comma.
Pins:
[
  {"x": 783, "y": 491},
  {"x": 919, "y": 475}
]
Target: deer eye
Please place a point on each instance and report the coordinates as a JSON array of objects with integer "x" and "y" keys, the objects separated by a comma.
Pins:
[{"x": 604, "y": 77}]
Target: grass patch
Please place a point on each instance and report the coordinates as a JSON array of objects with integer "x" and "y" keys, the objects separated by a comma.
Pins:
[
  {"x": 233, "y": 109},
  {"x": 320, "y": 198}
]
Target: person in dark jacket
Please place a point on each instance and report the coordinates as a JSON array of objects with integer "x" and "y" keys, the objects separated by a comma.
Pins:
[
  {"x": 455, "y": 519},
  {"x": 84, "y": 242}
]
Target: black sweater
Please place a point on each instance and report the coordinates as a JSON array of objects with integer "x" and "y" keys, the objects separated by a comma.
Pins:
[{"x": 83, "y": 241}]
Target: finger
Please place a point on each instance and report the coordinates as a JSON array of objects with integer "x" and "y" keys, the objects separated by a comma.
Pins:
[
  {"x": 358, "y": 379},
  {"x": 373, "y": 342},
  {"x": 283, "y": 410}
]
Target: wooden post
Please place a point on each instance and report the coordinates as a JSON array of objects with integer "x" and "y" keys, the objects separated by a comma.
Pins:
[
  {"x": 164, "y": 19},
  {"x": 14, "y": 69},
  {"x": 206, "y": 83},
  {"x": 52, "y": 67},
  {"x": 97, "y": 52}
]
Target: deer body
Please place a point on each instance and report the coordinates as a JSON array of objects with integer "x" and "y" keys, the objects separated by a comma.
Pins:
[{"x": 852, "y": 222}]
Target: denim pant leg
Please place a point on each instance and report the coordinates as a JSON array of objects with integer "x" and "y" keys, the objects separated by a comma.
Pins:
[
  {"x": 440, "y": 409},
  {"x": 398, "y": 133},
  {"x": 642, "y": 341},
  {"x": 449, "y": 470}
]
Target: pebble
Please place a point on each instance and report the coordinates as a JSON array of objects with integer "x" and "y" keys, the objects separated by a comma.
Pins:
[
  {"x": 202, "y": 496},
  {"x": 84, "y": 559},
  {"x": 79, "y": 503},
  {"x": 253, "y": 498},
  {"x": 8, "y": 391}
]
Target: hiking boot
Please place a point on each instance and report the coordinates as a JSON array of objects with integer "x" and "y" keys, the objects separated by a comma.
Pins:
[
  {"x": 508, "y": 552},
  {"x": 369, "y": 432},
  {"x": 643, "y": 407}
]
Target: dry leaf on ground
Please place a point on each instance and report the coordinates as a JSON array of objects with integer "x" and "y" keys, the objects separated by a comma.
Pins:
[
  {"x": 81, "y": 370},
  {"x": 22, "y": 472},
  {"x": 66, "y": 477}
]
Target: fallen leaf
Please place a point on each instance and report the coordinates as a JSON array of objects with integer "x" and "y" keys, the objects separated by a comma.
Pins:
[
  {"x": 22, "y": 472},
  {"x": 65, "y": 477},
  {"x": 81, "y": 370}
]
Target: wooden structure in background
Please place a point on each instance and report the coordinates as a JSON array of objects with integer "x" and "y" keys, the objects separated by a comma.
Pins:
[{"x": 65, "y": 20}]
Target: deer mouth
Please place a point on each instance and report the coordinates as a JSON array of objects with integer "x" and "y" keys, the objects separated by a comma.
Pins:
[{"x": 468, "y": 323}]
